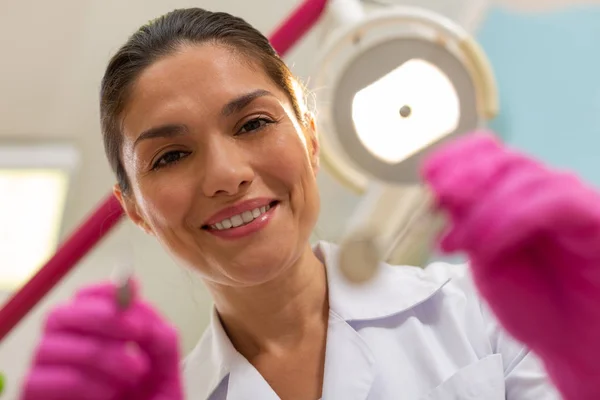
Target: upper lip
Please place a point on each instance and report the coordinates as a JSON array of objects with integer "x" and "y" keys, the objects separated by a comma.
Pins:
[{"x": 238, "y": 208}]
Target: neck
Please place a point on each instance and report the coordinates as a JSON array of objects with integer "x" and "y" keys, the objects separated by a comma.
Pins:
[{"x": 278, "y": 314}]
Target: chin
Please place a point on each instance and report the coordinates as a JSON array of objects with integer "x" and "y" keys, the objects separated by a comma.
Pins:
[{"x": 259, "y": 264}]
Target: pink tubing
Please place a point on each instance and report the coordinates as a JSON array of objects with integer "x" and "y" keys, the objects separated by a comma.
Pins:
[
  {"x": 295, "y": 26},
  {"x": 109, "y": 213}
]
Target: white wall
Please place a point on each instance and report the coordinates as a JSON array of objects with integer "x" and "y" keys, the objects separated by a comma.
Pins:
[{"x": 53, "y": 56}]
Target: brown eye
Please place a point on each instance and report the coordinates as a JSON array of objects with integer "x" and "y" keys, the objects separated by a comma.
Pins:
[
  {"x": 255, "y": 124},
  {"x": 169, "y": 158}
]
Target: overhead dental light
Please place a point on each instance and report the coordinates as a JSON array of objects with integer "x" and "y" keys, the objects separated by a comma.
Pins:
[{"x": 392, "y": 84}]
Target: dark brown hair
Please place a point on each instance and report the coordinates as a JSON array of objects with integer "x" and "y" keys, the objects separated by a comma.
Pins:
[{"x": 166, "y": 35}]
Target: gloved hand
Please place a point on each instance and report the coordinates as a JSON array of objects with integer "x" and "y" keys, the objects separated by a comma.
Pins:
[
  {"x": 92, "y": 350},
  {"x": 532, "y": 235}
]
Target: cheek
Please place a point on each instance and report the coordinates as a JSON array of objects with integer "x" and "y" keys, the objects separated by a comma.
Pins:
[
  {"x": 290, "y": 167},
  {"x": 287, "y": 160},
  {"x": 164, "y": 203}
]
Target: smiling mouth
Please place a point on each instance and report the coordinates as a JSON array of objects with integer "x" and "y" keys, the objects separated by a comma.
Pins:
[{"x": 241, "y": 219}]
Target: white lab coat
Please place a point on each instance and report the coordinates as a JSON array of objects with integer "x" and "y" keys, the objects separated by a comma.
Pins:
[{"x": 409, "y": 334}]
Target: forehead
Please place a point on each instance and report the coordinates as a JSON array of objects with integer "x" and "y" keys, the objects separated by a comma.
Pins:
[{"x": 203, "y": 76}]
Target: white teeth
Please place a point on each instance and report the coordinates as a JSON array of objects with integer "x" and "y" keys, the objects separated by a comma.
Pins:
[
  {"x": 241, "y": 219},
  {"x": 237, "y": 220},
  {"x": 247, "y": 216}
]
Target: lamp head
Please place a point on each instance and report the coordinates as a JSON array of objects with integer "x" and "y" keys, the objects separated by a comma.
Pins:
[{"x": 391, "y": 86}]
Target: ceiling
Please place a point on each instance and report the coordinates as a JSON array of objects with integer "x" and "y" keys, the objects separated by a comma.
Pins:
[{"x": 54, "y": 53}]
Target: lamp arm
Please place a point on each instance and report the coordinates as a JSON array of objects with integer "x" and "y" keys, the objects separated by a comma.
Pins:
[{"x": 346, "y": 12}]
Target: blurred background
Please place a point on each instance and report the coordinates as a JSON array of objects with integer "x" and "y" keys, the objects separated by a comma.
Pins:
[{"x": 53, "y": 171}]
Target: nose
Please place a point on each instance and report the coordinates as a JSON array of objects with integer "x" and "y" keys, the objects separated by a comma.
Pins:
[{"x": 227, "y": 170}]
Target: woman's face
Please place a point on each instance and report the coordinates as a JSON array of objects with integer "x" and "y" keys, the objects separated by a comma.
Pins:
[{"x": 221, "y": 171}]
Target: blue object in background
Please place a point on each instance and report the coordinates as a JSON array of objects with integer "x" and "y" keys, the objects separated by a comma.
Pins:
[{"x": 547, "y": 66}]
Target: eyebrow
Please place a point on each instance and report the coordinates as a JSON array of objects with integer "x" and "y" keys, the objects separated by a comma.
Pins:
[
  {"x": 172, "y": 130},
  {"x": 238, "y": 104},
  {"x": 163, "y": 131}
]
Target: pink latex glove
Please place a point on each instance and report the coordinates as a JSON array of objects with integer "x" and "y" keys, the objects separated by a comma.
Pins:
[
  {"x": 92, "y": 350},
  {"x": 532, "y": 235}
]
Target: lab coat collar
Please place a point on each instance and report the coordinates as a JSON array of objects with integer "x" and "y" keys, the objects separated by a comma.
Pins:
[
  {"x": 210, "y": 362},
  {"x": 392, "y": 290},
  {"x": 349, "y": 363}
]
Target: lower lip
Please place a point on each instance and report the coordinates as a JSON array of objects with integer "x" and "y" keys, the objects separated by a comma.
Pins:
[{"x": 245, "y": 230}]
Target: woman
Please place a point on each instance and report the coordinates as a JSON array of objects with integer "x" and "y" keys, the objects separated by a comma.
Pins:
[{"x": 216, "y": 155}]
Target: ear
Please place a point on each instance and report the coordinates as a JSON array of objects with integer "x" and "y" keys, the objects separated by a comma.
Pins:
[
  {"x": 131, "y": 209},
  {"x": 313, "y": 141}
]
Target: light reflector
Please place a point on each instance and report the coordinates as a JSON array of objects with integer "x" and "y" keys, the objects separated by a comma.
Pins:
[{"x": 405, "y": 110}]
